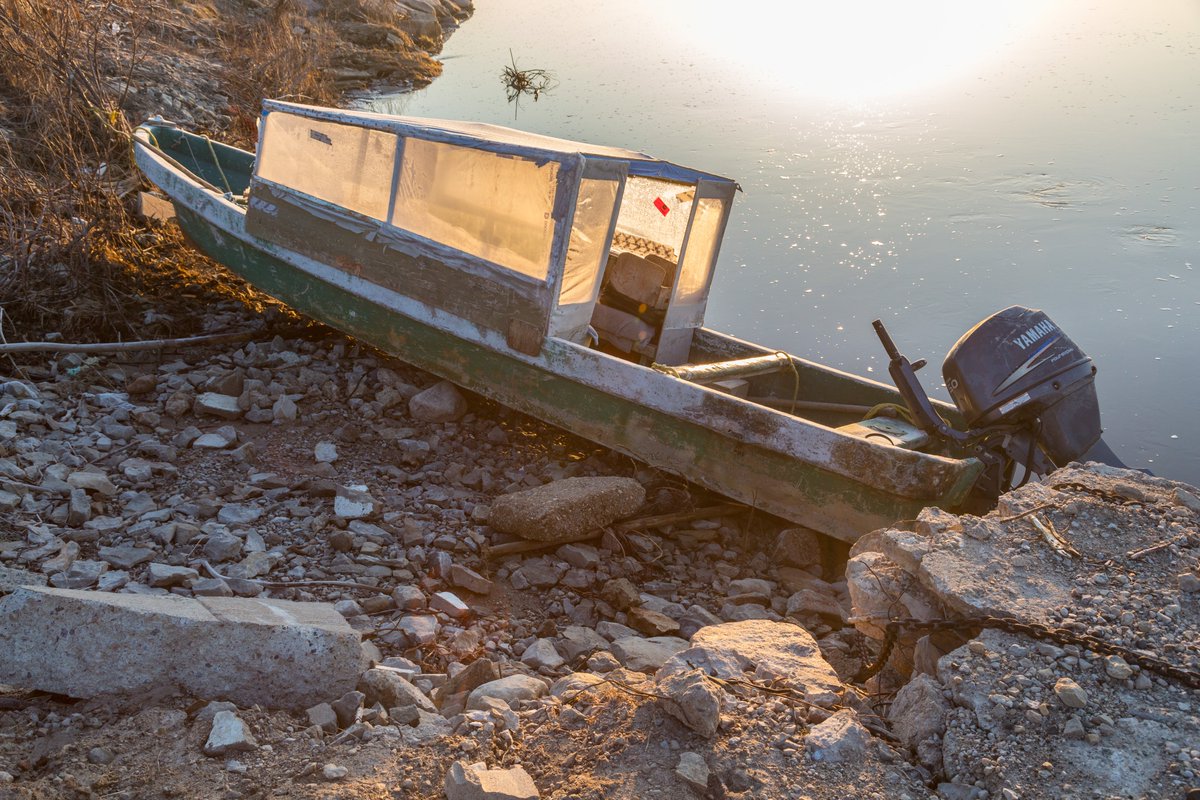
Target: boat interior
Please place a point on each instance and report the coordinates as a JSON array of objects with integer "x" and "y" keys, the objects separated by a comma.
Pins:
[{"x": 632, "y": 281}]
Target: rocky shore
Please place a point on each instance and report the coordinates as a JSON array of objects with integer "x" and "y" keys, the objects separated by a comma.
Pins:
[{"x": 296, "y": 489}]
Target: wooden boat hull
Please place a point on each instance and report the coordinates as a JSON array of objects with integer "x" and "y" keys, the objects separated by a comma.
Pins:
[{"x": 798, "y": 470}]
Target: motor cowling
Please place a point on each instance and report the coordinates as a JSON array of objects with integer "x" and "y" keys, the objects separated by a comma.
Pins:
[{"x": 1018, "y": 367}]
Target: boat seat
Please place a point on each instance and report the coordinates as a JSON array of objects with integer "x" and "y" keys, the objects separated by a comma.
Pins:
[
  {"x": 638, "y": 279},
  {"x": 619, "y": 329}
]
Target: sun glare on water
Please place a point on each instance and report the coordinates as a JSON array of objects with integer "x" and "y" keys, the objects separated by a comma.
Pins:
[{"x": 862, "y": 49}]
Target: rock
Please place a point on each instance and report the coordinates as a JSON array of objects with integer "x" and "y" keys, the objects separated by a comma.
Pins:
[
  {"x": 695, "y": 618},
  {"x": 228, "y": 735},
  {"x": 810, "y": 601},
  {"x": 353, "y": 502},
  {"x": 284, "y": 410},
  {"x": 101, "y": 756},
  {"x": 692, "y": 770},
  {"x": 542, "y": 655},
  {"x": 646, "y": 655},
  {"x": 800, "y": 547},
  {"x": 477, "y": 782},
  {"x": 222, "y": 546},
  {"x": 79, "y": 508},
  {"x": 334, "y": 772},
  {"x": 577, "y": 641},
  {"x": 1186, "y": 499},
  {"x": 1070, "y": 693},
  {"x": 477, "y": 673},
  {"x": 567, "y": 508},
  {"x": 652, "y": 623},
  {"x": 124, "y": 556},
  {"x": 442, "y": 402},
  {"x": 346, "y": 707},
  {"x": 273, "y": 653},
  {"x": 324, "y": 717},
  {"x": 165, "y": 575},
  {"x": 839, "y": 739},
  {"x": 580, "y": 556},
  {"x": 511, "y": 689},
  {"x": 568, "y": 687},
  {"x": 389, "y": 688},
  {"x": 408, "y": 598},
  {"x": 1189, "y": 582},
  {"x": 1073, "y": 729},
  {"x": 751, "y": 586},
  {"x": 218, "y": 405},
  {"x": 693, "y": 700},
  {"x": 764, "y": 650},
  {"x": 419, "y": 629},
  {"x": 325, "y": 452},
  {"x": 1115, "y": 667},
  {"x": 469, "y": 579},
  {"x": 620, "y": 594},
  {"x": 540, "y": 573},
  {"x": 449, "y": 603},
  {"x": 918, "y": 711},
  {"x": 239, "y": 514},
  {"x": 96, "y": 482},
  {"x": 81, "y": 574}
]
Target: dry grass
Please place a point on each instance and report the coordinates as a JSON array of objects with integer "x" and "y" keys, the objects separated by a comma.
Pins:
[{"x": 75, "y": 77}]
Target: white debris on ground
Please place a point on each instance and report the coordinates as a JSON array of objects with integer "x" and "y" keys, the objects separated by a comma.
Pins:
[{"x": 228, "y": 553}]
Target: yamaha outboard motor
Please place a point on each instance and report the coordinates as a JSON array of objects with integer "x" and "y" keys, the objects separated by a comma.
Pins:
[{"x": 1026, "y": 393}]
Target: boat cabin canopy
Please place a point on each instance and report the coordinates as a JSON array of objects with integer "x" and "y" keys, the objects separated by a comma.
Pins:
[{"x": 514, "y": 232}]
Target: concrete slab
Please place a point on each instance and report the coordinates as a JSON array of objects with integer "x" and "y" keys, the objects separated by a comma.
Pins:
[{"x": 274, "y": 653}]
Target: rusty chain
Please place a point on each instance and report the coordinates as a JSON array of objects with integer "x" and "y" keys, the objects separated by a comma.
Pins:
[
  {"x": 971, "y": 626},
  {"x": 1103, "y": 494}
]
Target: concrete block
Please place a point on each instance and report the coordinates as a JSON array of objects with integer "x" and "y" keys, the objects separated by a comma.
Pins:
[{"x": 274, "y": 653}]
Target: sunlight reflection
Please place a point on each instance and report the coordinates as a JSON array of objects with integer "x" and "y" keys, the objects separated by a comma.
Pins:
[{"x": 864, "y": 49}]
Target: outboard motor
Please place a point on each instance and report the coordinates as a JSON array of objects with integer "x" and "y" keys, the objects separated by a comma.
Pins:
[
  {"x": 1017, "y": 366},
  {"x": 1026, "y": 393}
]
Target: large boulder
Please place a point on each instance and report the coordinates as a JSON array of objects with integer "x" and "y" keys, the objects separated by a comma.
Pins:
[
  {"x": 764, "y": 651},
  {"x": 566, "y": 509},
  {"x": 273, "y": 653}
]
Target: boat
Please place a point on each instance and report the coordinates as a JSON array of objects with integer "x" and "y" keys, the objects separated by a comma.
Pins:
[{"x": 568, "y": 281}]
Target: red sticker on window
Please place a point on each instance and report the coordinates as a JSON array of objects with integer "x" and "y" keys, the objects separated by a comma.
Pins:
[{"x": 662, "y": 207}]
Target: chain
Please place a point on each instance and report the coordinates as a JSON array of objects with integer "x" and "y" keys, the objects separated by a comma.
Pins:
[
  {"x": 1034, "y": 630},
  {"x": 1103, "y": 494}
]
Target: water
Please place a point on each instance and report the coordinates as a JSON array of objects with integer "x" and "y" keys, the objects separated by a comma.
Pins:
[{"x": 924, "y": 162}]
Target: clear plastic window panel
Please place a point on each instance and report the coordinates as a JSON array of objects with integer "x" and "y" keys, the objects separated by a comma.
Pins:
[
  {"x": 694, "y": 275},
  {"x": 345, "y": 165},
  {"x": 496, "y": 207},
  {"x": 587, "y": 249}
]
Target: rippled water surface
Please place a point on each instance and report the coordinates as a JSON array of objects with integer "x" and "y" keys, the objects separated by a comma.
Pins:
[{"x": 927, "y": 163}]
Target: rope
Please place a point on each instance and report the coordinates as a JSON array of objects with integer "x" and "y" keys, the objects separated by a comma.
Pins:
[{"x": 217, "y": 163}]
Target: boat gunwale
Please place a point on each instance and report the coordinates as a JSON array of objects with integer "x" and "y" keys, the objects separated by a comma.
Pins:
[{"x": 599, "y": 371}]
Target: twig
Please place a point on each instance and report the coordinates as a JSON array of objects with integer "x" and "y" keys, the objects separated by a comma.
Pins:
[
  {"x": 1154, "y": 548},
  {"x": 1053, "y": 538},
  {"x": 121, "y": 347},
  {"x": 1024, "y": 514}
]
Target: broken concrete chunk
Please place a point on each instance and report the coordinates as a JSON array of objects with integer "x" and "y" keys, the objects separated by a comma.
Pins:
[
  {"x": 469, "y": 579},
  {"x": 542, "y": 655},
  {"x": 274, "y": 653},
  {"x": 800, "y": 547},
  {"x": 477, "y": 782},
  {"x": 346, "y": 707},
  {"x": 1070, "y": 693},
  {"x": 566, "y": 509},
  {"x": 442, "y": 402},
  {"x": 324, "y": 717},
  {"x": 764, "y": 650},
  {"x": 228, "y": 735},
  {"x": 919, "y": 711}
]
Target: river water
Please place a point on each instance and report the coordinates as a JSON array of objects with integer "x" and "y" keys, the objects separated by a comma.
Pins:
[{"x": 928, "y": 163}]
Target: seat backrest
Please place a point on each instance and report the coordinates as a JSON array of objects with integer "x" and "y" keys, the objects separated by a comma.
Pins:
[{"x": 636, "y": 278}]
